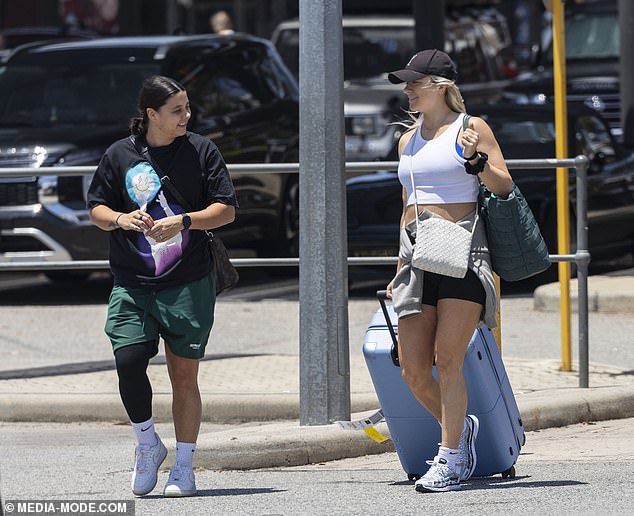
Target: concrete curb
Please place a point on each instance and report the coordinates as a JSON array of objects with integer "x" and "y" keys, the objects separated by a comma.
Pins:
[
  {"x": 284, "y": 444},
  {"x": 547, "y": 409},
  {"x": 607, "y": 294},
  {"x": 217, "y": 408},
  {"x": 288, "y": 444}
]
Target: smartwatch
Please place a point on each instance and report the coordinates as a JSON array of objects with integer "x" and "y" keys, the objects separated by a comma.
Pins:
[{"x": 187, "y": 221}]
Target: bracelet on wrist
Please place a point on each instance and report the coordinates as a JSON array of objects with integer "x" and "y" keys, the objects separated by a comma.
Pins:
[
  {"x": 116, "y": 221},
  {"x": 473, "y": 156},
  {"x": 474, "y": 170}
]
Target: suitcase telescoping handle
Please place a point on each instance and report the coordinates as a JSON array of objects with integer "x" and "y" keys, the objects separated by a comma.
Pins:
[{"x": 381, "y": 295}]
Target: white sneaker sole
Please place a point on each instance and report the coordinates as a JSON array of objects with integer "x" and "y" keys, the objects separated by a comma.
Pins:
[
  {"x": 178, "y": 493},
  {"x": 427, "y": 489},
  {"x": 475, "y": 428},
  {"x": 144, "y": 492}
]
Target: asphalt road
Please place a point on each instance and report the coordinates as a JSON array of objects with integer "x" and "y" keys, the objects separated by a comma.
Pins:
[{"x": 581, "y": 469}]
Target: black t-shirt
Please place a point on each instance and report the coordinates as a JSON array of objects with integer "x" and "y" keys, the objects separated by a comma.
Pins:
[{"x": 125, "y": 181}]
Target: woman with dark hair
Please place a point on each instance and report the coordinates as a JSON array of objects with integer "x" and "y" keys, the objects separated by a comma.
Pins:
[
  {"x": 442, "y": 158},
  {"x": 160, "y": 261}
]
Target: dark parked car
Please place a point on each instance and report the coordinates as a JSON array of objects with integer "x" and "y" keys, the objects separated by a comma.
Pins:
[
  {"x": 592, "y": 63},
  {"x": 374, "y": 45},
  {"x": 374, "y": 201},
  {"x": 13, "y": 37},
  {"x": 65, "y": 103}
]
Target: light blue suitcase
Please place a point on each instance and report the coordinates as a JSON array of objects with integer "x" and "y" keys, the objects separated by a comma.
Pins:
[{"x": 415, "y": 432}]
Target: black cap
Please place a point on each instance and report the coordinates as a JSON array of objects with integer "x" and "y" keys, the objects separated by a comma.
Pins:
[{"x": 426, "y": 62}]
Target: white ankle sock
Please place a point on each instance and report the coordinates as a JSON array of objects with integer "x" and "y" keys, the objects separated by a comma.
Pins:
[
  {"x": 185, "y": 453},
  {"x": 451, "y": 455},
  {"x": 145, "y": 432}
]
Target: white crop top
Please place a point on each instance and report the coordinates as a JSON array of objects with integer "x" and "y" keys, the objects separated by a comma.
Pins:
[{"x": 438, "y": 166}]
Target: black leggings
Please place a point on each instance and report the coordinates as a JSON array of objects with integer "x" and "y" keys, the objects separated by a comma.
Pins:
[{"x": 134, "y": 384}]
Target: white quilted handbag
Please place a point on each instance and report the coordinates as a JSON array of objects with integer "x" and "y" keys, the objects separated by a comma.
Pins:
[{"x": 441, "y": 246}]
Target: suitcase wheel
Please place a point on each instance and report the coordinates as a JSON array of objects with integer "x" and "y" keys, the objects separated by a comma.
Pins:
[
  {"x": 412, "y": 477},
  {"x": 523, "y": 439},
  {"x": 509, "y": 473}
]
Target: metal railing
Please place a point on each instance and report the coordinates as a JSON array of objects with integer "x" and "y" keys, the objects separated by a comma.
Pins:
[{"x": 581, "y": 257}]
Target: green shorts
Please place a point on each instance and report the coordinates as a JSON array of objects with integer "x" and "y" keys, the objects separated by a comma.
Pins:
[{"x": 182, "y": 315}]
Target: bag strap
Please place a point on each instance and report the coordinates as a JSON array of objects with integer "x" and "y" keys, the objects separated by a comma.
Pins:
[
  {"x": 465, "y": 126},
  {"x": 411, "y": 171},
  {"x": 166, "y": 182},
  {"x": 481, "y": 185},
  {"x": 465, "y": 122}
]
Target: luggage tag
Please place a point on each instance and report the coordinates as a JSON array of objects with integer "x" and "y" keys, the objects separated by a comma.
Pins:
[{"x": 367, "y": 425}]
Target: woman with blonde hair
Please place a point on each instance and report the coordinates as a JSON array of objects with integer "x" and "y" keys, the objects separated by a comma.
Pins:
[{"x": 441, "y": 164}]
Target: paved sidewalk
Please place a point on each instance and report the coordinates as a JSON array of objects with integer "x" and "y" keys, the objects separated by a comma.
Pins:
[{"x": 264, "y": 389}]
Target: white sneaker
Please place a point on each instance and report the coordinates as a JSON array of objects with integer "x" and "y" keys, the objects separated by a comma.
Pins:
[
  {"x": 468, "y": 457},
  {"x": 148, "y": 460},
  {"x": 439, "y": 477},
  {"x": 181, "y": 482}
]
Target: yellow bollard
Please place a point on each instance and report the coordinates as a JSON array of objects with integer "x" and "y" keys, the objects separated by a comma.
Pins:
[{"x": 563, "y": 212}]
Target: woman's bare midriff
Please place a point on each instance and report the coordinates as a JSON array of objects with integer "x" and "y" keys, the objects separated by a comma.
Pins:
[{"x": 452, "y": 212}]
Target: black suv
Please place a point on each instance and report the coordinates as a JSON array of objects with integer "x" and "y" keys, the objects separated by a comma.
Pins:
[
  {"x": 65, "y": 103},
  {"x": 592, "y": 63},
  {"x": 373, "y": 46}
]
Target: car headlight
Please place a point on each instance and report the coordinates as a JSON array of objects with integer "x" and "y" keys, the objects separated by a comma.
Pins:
[
  {"x": 69, "y": 189},
  {"x": 48, "y": 189},
  {"x": 526, "y": 98},
  {"x": 362, "y": 125},
  {"x": 595, "y": 102}
]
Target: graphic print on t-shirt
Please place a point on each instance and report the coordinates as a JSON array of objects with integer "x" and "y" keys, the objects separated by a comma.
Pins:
[
  {"x": 142, "y": 183},
  {"x": 144, "y": 186}
]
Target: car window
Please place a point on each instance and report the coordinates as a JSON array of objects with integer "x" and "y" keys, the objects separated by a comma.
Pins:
[
  {"x": 372, "y": 51},
  {"x": 590, "y": 36},
  {"x": 524, "y": 138},
  {"x": 464, "y": 47},
  {"x": 287, "y": 45},
  {"x": 520, "y": 132},
  {"x": 72, "y": 94},
  {"x": 593, "y": 136},
  {"x": 367, "y": 51},
  {"x": 223, "y": 83}
]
